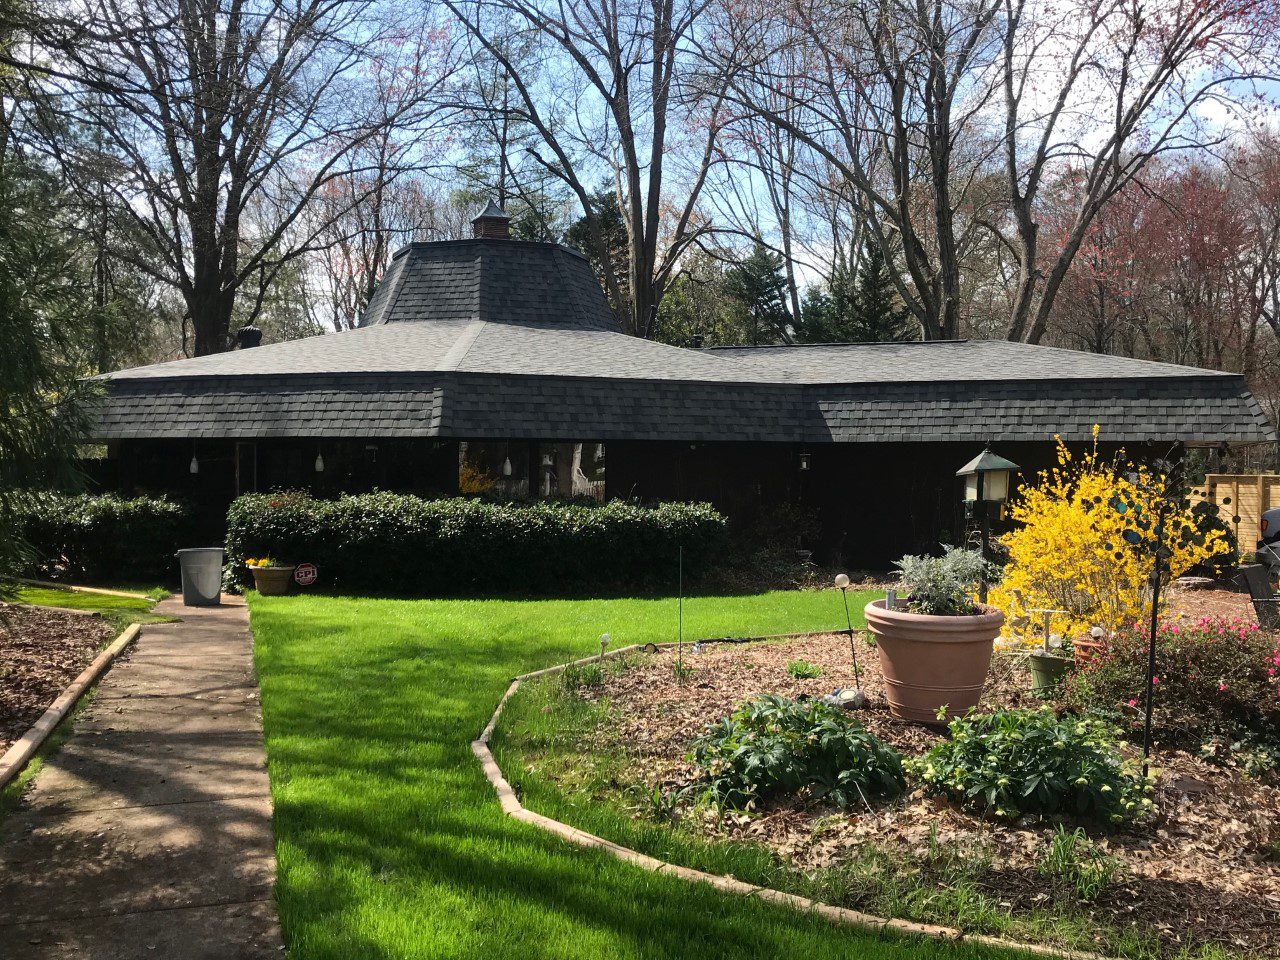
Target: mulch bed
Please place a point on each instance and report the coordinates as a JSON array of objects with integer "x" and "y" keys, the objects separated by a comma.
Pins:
[
  {"x": 1201, "y": 871},
  {"x": 41, "y": 652}
]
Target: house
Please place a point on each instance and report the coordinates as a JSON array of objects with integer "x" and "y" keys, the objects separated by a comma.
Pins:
[{"x": 495, "y": 365}]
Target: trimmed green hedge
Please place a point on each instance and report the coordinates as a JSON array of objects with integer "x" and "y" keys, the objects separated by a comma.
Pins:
[
  {"x": 396, "y": 543},
  {"x": 105, "y": 538}
]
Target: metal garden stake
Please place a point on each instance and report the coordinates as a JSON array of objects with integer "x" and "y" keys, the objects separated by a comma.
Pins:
[{"x": 842, "y": 581}]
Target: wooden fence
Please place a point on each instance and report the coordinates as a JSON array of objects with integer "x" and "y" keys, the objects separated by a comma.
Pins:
[{"x": 1241, "y": 499}]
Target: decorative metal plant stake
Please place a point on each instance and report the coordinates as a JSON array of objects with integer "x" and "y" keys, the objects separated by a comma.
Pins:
[
  {"x": 680, "y": 610},
  {"x": 1167, "y": 501},
  {"x": 1158, "y": 555},
  {"x": 842, "y": 582}
]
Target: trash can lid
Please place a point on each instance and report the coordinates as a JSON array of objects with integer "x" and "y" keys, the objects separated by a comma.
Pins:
[{"x": 199, "y": 550}]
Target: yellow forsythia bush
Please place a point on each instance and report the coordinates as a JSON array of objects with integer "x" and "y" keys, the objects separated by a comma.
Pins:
[{"x": 1069, "y": 550}]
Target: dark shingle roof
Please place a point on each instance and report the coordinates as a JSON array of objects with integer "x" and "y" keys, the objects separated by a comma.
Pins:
[{"x": 499, "y": 338}]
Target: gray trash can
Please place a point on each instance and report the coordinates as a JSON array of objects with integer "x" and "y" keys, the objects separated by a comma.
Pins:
[{"x": 201, "y": 576}]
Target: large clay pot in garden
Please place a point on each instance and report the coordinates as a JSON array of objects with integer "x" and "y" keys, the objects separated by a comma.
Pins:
[
  {"x": 932, "y": 661},
  {"x": 272, "y": 581}
]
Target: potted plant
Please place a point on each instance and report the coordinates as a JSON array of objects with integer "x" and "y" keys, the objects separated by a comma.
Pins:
[
  {"x": 935, "y": 650},
  {"x": 270, "y": 577},
  {"x": 1053, "y": 661}
]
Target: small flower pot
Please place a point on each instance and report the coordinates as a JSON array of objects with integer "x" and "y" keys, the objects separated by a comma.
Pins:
[
  {"x": 272, "y": 581},
  {"x": 931, "y": 662},
  {"x": 1085, "y": 651},
  {"x": 1047, "y": 670}
]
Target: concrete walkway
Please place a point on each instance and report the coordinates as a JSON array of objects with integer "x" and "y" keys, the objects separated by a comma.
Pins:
[{"x": 149, "y": 833}]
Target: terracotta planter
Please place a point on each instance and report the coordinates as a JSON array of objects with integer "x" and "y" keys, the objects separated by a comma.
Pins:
[
  {"x": 1084, "y": 651},
  {"x": 930, "y": 662},
  {"x": 272, "y": 581}
]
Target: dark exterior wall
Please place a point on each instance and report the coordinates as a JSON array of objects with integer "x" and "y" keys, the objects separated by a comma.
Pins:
[{"x": 873, "y": 502}]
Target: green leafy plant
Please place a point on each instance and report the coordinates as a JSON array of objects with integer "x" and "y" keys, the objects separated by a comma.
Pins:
[
  {"x": 1032, "y": 761},
  {"x": 579, "y": 676},
  {"x": 804, "y": 670},
  {"x": 104, "y": 537},
  {"x": 1072, "y": 861},
  {"x": 683, "y": 671},
  {"x": 945, "y": 585},
  {"x": 397, "y": 543},
  {"x": 1253, "y": 753},
  {"x": 772, "y": 746}
]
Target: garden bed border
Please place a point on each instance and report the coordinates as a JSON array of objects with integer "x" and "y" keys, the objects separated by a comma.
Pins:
[
  {"x": 25, "y": 747},
  {"x": 512, "y": 807}
]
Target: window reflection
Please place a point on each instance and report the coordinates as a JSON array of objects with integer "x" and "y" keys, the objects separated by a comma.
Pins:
[{"x": 559, "y": 470}]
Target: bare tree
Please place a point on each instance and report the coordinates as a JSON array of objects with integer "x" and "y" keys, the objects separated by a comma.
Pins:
[
  {"x": 948, "y": 94},
  {"x": 231, "y": 116},
  {"x": 1101, "y": 88},
  {"x": 890, "y": 95},
  {"x": 606, "y": 105}
]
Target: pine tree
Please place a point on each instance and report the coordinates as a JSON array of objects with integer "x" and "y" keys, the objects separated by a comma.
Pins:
[
  {"x": 856, "y": 304},
  {"x": 759, "y": 287},
  {"x": 877, "y": 317}
]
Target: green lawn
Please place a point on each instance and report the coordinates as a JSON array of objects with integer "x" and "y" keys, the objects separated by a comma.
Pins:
[
  {"x": 390, "y": 841},
  {"x": 121, "y": 611}
]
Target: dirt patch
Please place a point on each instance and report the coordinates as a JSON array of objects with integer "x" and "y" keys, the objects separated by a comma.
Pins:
[
  {"x": 1194, "y": 604},
  {"x": 41, "y": 652},
  {"x": 1203, "y": 870}
]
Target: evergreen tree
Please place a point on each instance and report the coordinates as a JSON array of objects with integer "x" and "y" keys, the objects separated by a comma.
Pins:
[
  {"x": 856, "y": 305},
  {"x": 877, "y": 316},
  {"x": 46, "y": 319},
  {"x": 613, "y": 258},
  {"x": 759, "y": 288}
]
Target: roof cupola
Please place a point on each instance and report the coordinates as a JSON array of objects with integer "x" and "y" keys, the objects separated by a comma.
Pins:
[{"x": 492, "y": 224}]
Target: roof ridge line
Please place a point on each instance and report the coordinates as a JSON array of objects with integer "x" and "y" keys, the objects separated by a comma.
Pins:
[
  {"x": 462, "y": 346},
  {"x": 395, "y": 293}
]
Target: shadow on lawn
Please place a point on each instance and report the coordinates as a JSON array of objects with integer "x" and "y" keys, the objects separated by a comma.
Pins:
[{"x": 391, "y": 842}]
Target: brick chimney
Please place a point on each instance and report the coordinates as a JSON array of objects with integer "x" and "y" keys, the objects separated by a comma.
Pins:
[{"x": 492, "y": 224}]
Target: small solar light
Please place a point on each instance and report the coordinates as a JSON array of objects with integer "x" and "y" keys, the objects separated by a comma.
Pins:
[{"x": 604, "y": 642}]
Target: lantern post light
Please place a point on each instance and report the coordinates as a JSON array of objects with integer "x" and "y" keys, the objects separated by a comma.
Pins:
[{"x": 986, "y": 482}]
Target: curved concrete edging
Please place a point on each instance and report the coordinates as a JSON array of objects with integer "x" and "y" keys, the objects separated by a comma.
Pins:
[
  {"x": 23, "y": 749},
  {"x": 512, "y": 807}
]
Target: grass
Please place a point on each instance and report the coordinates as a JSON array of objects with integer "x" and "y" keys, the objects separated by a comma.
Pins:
[
  {"x": 389, "y": 839},
  {"x": 119, "y": 611}
]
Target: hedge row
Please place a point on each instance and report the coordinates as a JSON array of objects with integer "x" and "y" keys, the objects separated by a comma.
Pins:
[
  {"x": 395, "y": 543},
  {"x": 104, "y": 538}
]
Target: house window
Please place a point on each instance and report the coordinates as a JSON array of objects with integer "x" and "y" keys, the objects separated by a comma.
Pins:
[
  {"x": 520, "y": 468},
  {"x": 571, "y": 470},
  {"x": 493, "y": 467}
]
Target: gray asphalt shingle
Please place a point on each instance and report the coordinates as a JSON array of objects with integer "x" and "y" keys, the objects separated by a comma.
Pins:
[{"x": 500, "y": 338}]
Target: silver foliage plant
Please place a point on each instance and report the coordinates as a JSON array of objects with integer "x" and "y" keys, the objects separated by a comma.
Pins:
[{"x": 945, "y": 585}]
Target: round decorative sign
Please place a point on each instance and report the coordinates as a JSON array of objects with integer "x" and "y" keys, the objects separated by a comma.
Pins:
[{"x": 305, "y": 574}]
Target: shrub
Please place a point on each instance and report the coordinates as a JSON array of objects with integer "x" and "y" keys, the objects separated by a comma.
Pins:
[
  {"x": 1213, "y": 674},
  {"x": 396, "y": 543},
  {"x": 1032, "y": 761},
  {"x": 772, "y": 746},
  {"x": 105, "y": 538},
  {"x": 1071, "y": 548},
  {"x": 945, "y": 585}
]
